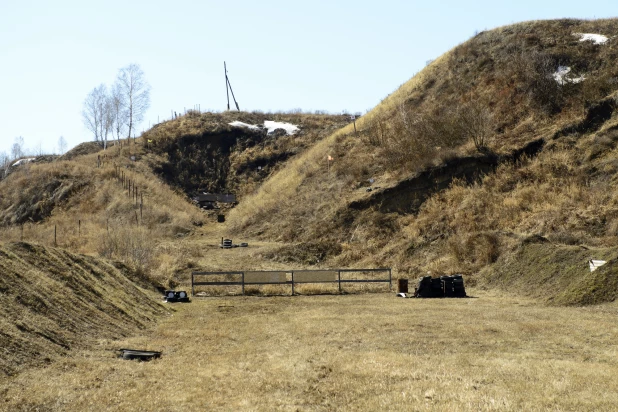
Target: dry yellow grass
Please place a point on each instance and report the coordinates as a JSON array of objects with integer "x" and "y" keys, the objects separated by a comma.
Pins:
[
  {"x": 565, "y": 193},
  {"x": 359, "y": 352}
]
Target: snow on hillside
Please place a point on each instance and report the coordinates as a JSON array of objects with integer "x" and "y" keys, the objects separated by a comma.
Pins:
[
  {"x": 272, "y": 126},
  {"x": 269, "y": 125},
  {"x": 242, "y": 124},
  {"x": 27, "y": 160},
  {"x": 562, "y": 76},
  {"x": 595, "y": 38}
]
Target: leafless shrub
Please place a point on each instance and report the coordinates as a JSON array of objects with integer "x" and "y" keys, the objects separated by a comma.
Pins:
[
  {"x": 535, "y": 72},
  {"x": 475, "y": 122},
  {"x": 131, "y": 245}
]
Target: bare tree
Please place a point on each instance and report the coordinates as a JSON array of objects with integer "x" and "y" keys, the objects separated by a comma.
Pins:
[
  {"x": 118, "y": 111},
  {"x": 94, "y": 111},
  {"x": 62, "y": 145},
  {"x": 17, "y": 150},
  {"x": 5, "y": 161},
  {"x": 108, "y": 119},
  {"x": 135, "y": 92}
]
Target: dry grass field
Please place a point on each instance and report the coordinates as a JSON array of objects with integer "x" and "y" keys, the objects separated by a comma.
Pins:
[
  {"x": 355, "y": 352},
  {"x": 518, "y": 205}
]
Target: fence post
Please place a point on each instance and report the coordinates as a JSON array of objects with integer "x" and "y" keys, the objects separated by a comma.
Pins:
[
  {"x": 339, "y": 277},
  {"x": 243, "y": 283},
  {"x": 79, "y": 228},
  {"x": 292, "y": 283},
  {"x": 390, "y": 279}
]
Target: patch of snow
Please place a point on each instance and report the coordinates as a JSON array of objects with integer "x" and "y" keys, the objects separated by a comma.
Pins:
[
  {"x": 241, "y": 124},
  {"x": 288, "y": 127},
  {"x": 269, "y": 125},
  {"x": 20, "y": 161},
  {"x": 561, "y": 76},
  {"x": 595, "y": 38}
]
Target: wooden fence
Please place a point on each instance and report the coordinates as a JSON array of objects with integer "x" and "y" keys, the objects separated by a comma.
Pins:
[{"x": 286, "y": 277}]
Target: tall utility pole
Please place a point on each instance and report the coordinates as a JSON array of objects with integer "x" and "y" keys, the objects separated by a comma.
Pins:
[{"x": 228, "y": 89}]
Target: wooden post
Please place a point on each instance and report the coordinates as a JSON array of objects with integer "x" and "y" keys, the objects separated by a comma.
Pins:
[
  {"x": 136, "y": 220},
  {"x": 79, "y": 228},
  {"x": 292, "y": 283}
]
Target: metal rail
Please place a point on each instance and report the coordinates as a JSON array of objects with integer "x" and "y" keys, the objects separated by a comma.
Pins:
[{"x": 242, "y": 282}]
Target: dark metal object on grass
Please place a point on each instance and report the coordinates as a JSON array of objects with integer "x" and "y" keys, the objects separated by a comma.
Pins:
[
  {"x": 444, "y": 286},
  {"x": 141, "y": 355},
  {"x": 176, "y": 296},
  {"x": 402, "y": 285}
]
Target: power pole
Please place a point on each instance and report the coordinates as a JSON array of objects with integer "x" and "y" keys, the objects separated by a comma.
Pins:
[
  {"x": 229, "y": 85},
  {"x": 226, "y": 87}
]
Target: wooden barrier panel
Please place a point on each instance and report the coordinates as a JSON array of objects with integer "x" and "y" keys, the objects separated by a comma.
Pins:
[
  {"x": 265, "y": 277},
  {"x": 315, "y": 276}
]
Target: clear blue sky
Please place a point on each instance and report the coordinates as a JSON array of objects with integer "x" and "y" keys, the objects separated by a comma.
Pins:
[{"x": 314, "y": 55}]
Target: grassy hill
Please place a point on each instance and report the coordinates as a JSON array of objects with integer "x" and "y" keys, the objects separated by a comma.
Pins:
[
  {"x": 509, "y": 135},
  {"x": 54, "y": 301},
  {"x": 453, "y": 171}
]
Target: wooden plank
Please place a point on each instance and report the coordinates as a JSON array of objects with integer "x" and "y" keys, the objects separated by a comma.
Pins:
[
  {"x": 315, "y": 276},
  {"x": 265, "y": 277}
]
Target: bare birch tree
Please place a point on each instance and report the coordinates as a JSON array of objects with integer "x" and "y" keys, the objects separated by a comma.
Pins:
[
  {"x": 62, "y": 145},
  {"x": 118, "y": 111},
  {"x": 94, "y": 111},
  {"x": 135, "y": 92},
  {"x": 17, "y": 150},
  {"x": 5, "y": 161}
]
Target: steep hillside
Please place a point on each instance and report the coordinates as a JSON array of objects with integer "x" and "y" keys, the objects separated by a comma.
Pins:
[
  {"x": 54, "y": 301},
  {"x": 100, "y": 204},
  {"x": 204, "y": 152},
  {"x": 510, "y": 134}
]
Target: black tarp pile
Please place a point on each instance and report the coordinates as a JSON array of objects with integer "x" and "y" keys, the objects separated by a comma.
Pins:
[{"x": 442, "y": 287}]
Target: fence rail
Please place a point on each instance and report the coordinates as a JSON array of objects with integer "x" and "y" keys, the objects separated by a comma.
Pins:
[{"x": 287, "y": 277}]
